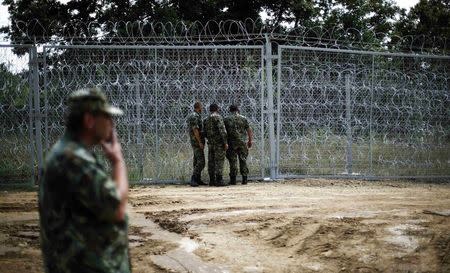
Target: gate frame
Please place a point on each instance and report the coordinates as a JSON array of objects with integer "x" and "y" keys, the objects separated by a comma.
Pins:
[
  {"x": 349, "y": 140},
  {"x": 156, "y": 47}
]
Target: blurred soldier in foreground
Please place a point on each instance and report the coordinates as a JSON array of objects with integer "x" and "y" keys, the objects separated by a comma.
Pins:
[
  {"x": 240, "y": 137},
  {"x": 82, "y": 209},
  {"x": 217, "y": 145},
  {"x": 196, "y": 135}
]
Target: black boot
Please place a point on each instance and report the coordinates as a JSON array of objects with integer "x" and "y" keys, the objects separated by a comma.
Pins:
[
  {"x": 232, "y": 180},
  {"x": 244, "y": 180},
  {"x": 212, "y": 180},
  {"x": 199, "y": 180},
  {"x": 219, "y": 181},
  {"x": 193, "y": 181}
]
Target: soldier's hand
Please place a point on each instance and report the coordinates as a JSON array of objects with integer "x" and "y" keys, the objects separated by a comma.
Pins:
[
  {"x": 249, "y": 144},
  {"x": 202, "y": 146},
  {"x": 113, "y": 149},
  {"x": 225, "y": 146}
]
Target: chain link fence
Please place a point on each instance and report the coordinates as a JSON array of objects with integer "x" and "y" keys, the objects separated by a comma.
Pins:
[
  {"x": 363, "y": 113},
  {"x": 17, "y": 153},
  {"x": 156, "y": 87},
  {"x": 317, "y": 107}
]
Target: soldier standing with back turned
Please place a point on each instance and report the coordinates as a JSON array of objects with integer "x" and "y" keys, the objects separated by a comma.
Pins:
[
  {"x": 240, "y": 137},
  {"x": 216, "y": 134},
  {"x": 196, "y": 135}
]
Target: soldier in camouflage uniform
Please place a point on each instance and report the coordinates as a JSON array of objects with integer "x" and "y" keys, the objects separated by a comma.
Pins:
[
  {"x": 217, "y": 145},
  {"x": 82, "y": 209},
  {"x": 240, "y": 137},
  {"x": 195, "y": 128}
]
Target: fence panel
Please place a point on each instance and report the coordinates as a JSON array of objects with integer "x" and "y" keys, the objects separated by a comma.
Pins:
[
  {"x": 157, "y": 87},
  {"x": 367, "y": 113},
  {"x": 17, "y": 156},
  {"x": 338, "y": 111}
]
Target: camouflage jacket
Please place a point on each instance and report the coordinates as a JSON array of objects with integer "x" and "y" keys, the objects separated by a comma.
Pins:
[
  {"x": 237, "y": 126},
  {"x": 77, "y": 207},
  {"x": 215, "y": 130},
  {"x": 194, "y": 121}
]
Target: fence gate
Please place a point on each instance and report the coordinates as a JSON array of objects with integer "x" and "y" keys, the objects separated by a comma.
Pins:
[
  {"x": 345, "y": 112},
  {"x": 157, "y": 87},
  {"x": 314, "y": 111}
]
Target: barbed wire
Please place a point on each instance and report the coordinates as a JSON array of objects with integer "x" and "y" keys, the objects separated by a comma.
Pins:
[{"x": 249, "y": 31}]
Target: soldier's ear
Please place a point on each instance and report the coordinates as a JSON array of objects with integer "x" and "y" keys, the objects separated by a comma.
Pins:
[{"x": 88, "y": 120}]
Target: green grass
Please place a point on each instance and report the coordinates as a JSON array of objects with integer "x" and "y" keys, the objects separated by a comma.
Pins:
[
  {"x": 15, "y": 160},
  {"x": 388, "y": 158},
  {"x": 311, "y": 155}
]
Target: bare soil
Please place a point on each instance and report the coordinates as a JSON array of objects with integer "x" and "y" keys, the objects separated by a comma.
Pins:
[{"x": 310, "y": 225}]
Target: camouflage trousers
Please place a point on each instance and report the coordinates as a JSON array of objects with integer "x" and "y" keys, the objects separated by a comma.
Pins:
[
  {"x": 237, "y": 153},
  {"x": 198, "y": 160},
  {"x": 216, "y": 158}
]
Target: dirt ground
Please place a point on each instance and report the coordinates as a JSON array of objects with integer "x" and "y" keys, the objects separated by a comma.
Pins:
[{"x": 310, "y": 225}]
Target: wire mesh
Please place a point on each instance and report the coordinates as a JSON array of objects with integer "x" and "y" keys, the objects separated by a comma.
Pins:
[
  {"x": 338, "y": 110},
  {"x": 157, "y": 87},
  {"x": 16, "y": 129},
  {"x": 363, "y": 113}
]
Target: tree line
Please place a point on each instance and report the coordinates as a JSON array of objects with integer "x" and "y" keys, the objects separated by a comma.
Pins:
[{"x": 430, "y": 18}]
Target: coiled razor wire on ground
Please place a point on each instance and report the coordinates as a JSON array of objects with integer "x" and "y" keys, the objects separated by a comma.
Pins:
[{"x": 340, "y": 111}]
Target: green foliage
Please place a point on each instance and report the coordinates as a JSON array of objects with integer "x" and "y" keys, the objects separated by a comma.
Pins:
[
  {"x": 430, "y": 18},
  {"x": 14, "y": 91},
  {"x": 372, "y": 22}
]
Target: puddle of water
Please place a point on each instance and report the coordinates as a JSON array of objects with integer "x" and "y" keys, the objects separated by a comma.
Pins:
[
  {"x": 408, "y": 243},
  {"x": 398, "y": 238},
  {"x": 188, "y": 245}
]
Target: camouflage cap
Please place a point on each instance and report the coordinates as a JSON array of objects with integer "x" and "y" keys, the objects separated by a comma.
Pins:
[{"x": 92, "y": 100}]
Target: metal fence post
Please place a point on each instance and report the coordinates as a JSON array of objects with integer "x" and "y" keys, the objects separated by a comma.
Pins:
[
  {"x": 34, "y": 69},
  {"x": 158, "y": 160},
  {"x": 270, "y": 109},
  {"x": 278, "y": 112},
  {"x": 46, "y": 104},
  {"x": 371, "y": 117},
  {"x": 263, "y": 80},
  {"x": 348, "y": 106},
  {"x": 31, "y": 125},
  {"x": 140, "y": 143}
]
